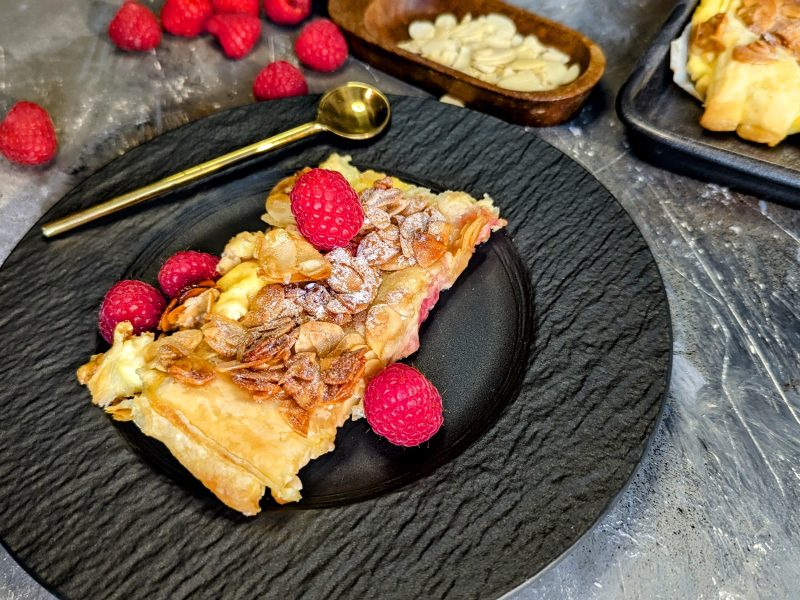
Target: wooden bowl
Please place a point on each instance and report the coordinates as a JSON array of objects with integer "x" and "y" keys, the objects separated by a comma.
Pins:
[{"x": 374, "y": 28}]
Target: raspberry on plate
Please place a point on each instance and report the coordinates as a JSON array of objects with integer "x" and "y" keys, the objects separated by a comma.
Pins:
[
  {"x": 321, "y": 46},
  {"x": 237, "y": 34},
  {"x": 134, "y": 27},
  {"x": 186, "y": 18},
  {"x": 279, "y": 79},
  {"x": 27, "y": 135},
  {"x": 287, "y": 12},
  {"x": 186, "y": 268},
  {"x": 403, "y": 406},
  {"x": 130, "y": 300},
  {"x": 247, "y": 7},
  {"x": 326, "y": 208}
]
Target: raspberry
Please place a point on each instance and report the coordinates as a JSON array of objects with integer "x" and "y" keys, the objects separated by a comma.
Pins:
[
  {"x": 279, "y": 79},
  {"x": 134, "y": 27},
  {"x": 237, "y": 34},
  {"x": 184, "y": 269},
  {"x": 403, "y": 406},
  {"x": 321, "y": 46},
  {"x": 287, "y": 12},
  {"x": 186, "y": 18},
  {"x": 27, "y": 135},
  {"x": 326, "y": 209},
  {"x": 248, "y": 7},
  {"x": 130, "y": 300}
]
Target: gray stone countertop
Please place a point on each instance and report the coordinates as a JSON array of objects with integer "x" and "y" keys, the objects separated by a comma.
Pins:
[{"x": 711, "y": 511}]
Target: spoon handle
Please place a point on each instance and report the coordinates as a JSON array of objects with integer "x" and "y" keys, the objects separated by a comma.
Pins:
[{"x": 97, "y": 211}]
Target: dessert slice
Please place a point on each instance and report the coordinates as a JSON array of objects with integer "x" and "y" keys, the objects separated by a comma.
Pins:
[
  {"x": 744, "y": 60},
  {"x": 253, "y": 375}
]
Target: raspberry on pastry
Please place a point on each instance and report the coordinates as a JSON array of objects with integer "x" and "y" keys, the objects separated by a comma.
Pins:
[
  {"x": 129, "y": 300},
  {"x": 403, "y": 406},
  {"x": 326, "y": 208},
  {"x": 186, "y": 268}
]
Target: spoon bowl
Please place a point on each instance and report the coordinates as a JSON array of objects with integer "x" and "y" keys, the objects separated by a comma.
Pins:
[{"x": 355, "y": 111}]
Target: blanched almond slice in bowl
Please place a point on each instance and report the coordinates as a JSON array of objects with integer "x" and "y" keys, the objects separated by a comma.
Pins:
[
  {"x": 377, "y": 30},
  {"x": 489, "y": 48}
]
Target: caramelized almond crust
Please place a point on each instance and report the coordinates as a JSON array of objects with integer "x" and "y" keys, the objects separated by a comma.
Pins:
[{"x": 259, "y": 371}]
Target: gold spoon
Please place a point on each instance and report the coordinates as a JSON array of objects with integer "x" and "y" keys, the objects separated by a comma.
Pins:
[{"x": 355, "y": 111}]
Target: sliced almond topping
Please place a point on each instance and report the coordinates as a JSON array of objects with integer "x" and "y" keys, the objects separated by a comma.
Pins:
[
  {"x": 427, "y": 250},
  {"x": 296, "y": 416},
  {"x": 319, "y": 337},
  {"x": 758, "y": 15},
  {"x": 790, "y": 9},
  {"x": 760, "y": 52},
  {"x": 270, "y": 350},
  {"x": 789, "y": 36},
  {"x": 270, "y": 307},
  {"x": 279, "y": 205},
  {"x": 280, "y": 254},
  {"x": 379, "y": 247},
  {"x": 353, "y": 279},
  {"x": 345, "y": 368},
  {"x": 224, "y": 335},
  {"x": 262, "y": 381},
  {"x": 707, "y": 36},
  {"x": 303, "y": 380},
  {"x": 192, "y": 370}
]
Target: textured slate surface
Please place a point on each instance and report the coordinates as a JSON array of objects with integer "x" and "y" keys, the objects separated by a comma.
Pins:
[{"x": 89, "y": 518}]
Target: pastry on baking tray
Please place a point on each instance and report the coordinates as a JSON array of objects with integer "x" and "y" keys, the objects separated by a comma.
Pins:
[
  {"x": 253, "y": 375},
  {"x": 743, "y": 60}
]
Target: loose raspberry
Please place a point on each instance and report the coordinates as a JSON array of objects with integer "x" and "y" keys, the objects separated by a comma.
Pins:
[
  {"x": 326, "y": 209},
  {"x": 237, "y": 34},
  {"x": 27, "y": 135},
  {"x": 186, "y": 268},
  {"x": 321, "y": 46},
  {"x": 287, "y": 12},
  {"x": 186, "y": 18},
  {"x": 279, "y": 79},
  {"x": 247, "y": 7},
  {"x": 134, "y": 27},
  {"x": 130, "y": 300},
  {"x": 403, "y": 406}
]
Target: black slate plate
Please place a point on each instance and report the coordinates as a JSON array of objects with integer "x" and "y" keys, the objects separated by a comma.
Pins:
[
  {"x": 89, "y": 518},
  {"x": 664, "y": 127}
]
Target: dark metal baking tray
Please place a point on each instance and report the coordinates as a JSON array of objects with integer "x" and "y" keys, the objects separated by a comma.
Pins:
[{"x": 664, "y": 127}]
